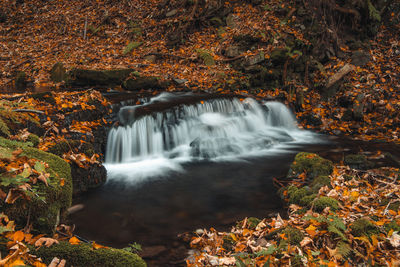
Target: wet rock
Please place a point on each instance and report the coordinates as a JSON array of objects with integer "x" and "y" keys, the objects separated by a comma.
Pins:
[
  {"x": 311, "y": 119},
  {"x": 81, "y": 77},
  {"x": 58, "y": 73},
  {"x": 358, "y": 161},
  {"x": 180, "y": 81},
  {"x": 21, "y": 81},
  {"x": 85, "y": 179},
  {"x": 153, "y": 251},
  {"x": 139, "y": 83},
  {"x": 360, "y": 58}
]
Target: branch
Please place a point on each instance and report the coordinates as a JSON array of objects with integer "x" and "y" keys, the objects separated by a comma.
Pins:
[{"x": 29, "y": 111}]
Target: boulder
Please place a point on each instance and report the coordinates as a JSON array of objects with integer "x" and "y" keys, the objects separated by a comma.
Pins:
[
  {"x": 58, "y": 73},
  {"x": 233, "y": 51},
  {"x": 142, "y": 82},
  {"x": 82, "y": 77},
  {"x": 278, "y": 56},
  {"x": 253, "y": 60},
  {"x": 360, "y": 58}
]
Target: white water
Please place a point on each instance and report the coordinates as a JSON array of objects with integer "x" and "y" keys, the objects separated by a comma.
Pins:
[{"x": 218, "y": 129}]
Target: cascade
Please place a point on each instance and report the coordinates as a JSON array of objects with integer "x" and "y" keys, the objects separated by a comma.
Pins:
[{"x": 206, "y": 130}]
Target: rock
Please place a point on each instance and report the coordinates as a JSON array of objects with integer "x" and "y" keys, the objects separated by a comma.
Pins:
[
  {"x": 344, "y": 101},
  {"x": 143, "y": 82},
  {"x": 278, "y": 56},
  {"x": 81, "y": 77},
  {"x": 250, "y": 61},
  {"x": 171, "y": 13},
  {"x": 311, "y": 119},
  {"x": 58, "y": 72},
  {"x": 233, "y": 51},
  {"x": 360, "y": 58},
  {"x": 21, "y": 81},
  {"x": 151, "y": 58},
  {"x": 83, "y": 254},
  {"x": 358, "y": 162},
  {"x": 150, "y": 252},
  {"x": 85, "y": 179},
  {"x": 310, "y": 163},
  {"x": 180, "y": 81},
  {"x": 347, "y": 115}
]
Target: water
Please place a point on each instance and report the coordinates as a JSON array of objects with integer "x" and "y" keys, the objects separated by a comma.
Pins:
[{"x": 213, "y": 130}]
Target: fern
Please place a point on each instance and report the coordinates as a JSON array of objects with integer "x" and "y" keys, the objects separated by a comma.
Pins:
[
  {"x": 4, "y": 128},
  {"x": 334, "y": 230},
  {"x": 344, "y": 249},
  {"x": 373, "y": 13}
]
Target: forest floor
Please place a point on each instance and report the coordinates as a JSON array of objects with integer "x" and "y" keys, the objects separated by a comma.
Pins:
[{"x": 141, "y": 36}]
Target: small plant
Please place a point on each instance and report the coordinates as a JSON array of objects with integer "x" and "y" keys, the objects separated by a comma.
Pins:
[
  {"x": 131, "y": 46},
  {"x": 133, "y": 248}
]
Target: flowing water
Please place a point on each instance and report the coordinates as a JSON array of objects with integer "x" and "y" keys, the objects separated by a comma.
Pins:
[{"x": 205, "y": 164}]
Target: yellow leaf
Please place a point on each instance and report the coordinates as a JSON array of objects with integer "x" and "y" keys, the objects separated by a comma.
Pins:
[{"x": 17, "y": 262}]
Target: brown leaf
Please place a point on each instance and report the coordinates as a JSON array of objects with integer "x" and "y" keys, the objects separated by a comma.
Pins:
[{"x": 46, "y": 241}]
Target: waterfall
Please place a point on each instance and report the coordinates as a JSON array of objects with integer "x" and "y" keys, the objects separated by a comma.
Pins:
[{"x": 209, "y": 129}]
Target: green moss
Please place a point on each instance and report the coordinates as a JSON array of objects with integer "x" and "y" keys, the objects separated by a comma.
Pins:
[
  {"x": 83, "y": 255},
  {"x": 252, "y": 222},
  {"x": 34, "y": 139},
  {"x": 363, "y": 226},
  {"x": 295, "y": 196},
  {"x": 307, "y": 200},
  {"x": 322, "y": 202},
  {"x": 393, "y": 225},
  {"x": 44, "y": 211},
  {"x": 320, "y": 181},
  {"x": 312, "y": 164},
  {"x": 358, "y": 162},
  {"x": 294, "y": 235}
]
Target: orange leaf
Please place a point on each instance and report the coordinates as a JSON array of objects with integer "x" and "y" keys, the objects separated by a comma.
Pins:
[
  {"x": 18, "y": 236},
  {"x": 97, "y": 246},
  {"x": 74, "y": 241}
]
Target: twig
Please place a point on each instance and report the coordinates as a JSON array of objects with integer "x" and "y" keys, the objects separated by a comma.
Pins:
[
  {"x": 28, "y": 111},
  {"x": 85, "y": 29}
]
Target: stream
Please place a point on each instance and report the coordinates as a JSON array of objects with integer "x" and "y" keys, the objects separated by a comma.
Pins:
[{"x": 195, "y": 166}]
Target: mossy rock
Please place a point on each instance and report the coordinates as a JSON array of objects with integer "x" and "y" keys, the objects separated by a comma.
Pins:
[
  {"x": 306, "y": 201},
  {"x": 295, "y": 195},
  {"x": 84, "y": 255},
  {"x": 44, "y": 213},
  {"x": 363, "y": 227},
  {"x": 358, "y": 161},
  {"x": 294, "y": 235},
  {"x": 67, "y": 145},
  {"x": 81, "y": 77},
  {"x": 34, "y": 139},
  {"x": 58, "y": 73},
  {"x": 142, "y": 82},
  {"x": 312, "y": 164},
  {"x": 320, "y": 181},
  {"x": 322, "y": 202}
]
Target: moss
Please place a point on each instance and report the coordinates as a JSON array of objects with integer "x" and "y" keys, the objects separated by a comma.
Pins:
[
  {"x": 296, "y": 195},
  {"x": 307, "y": 200},
  {"x": 393, "y": 225},
  {"x": 84, "y": 255},
  {"x": 320, "y": 181},
  {"x": 34, "y": 139},
  {"x": 252, "y": 222},
  {"x": 229, "y": 243},
  {"x": 312, "y": 164},
  {"x": 44, "y": 212},
  {"x": 322, "y": 202},
  {"x": 358, "y": 162},
  {"x": 394, "y": 206},
  {"x": 363, "y": 226},
  {"x": 65, "y": 146},
  {"x": 294, "y": 235}
]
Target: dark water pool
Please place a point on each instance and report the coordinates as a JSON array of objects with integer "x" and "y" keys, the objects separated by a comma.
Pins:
[{"x": 211, "y": 194}]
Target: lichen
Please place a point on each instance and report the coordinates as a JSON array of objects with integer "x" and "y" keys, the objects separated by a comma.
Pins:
[
  {"x": 363, "y": 226},
  {"x": 312, "y": 164},
  {"x": 322, "y": 202},
  {"x": 84, "y": 255}
]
